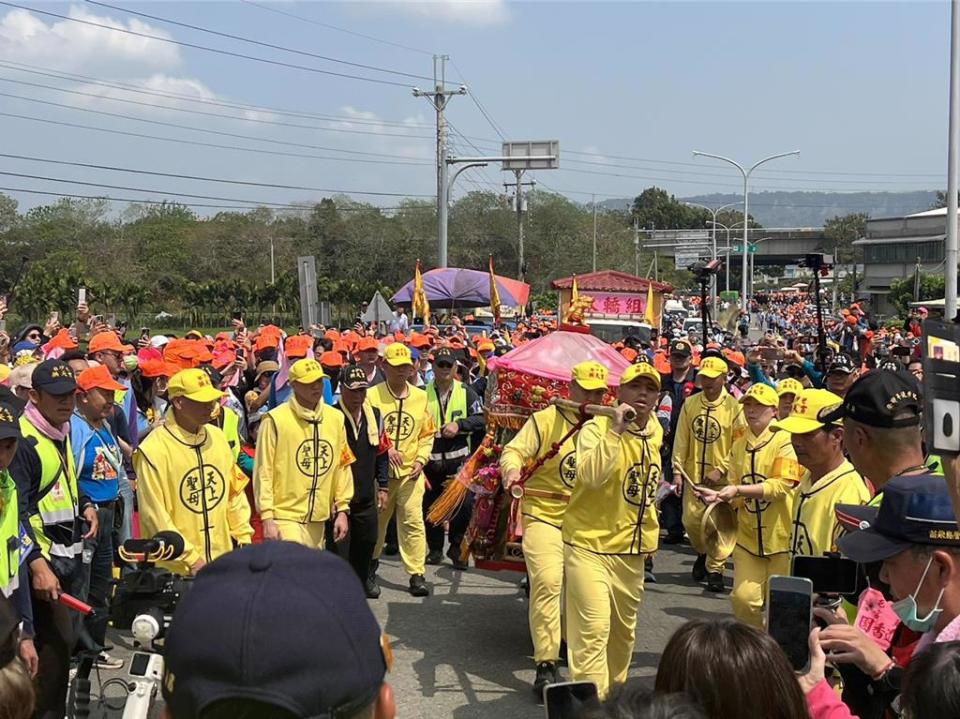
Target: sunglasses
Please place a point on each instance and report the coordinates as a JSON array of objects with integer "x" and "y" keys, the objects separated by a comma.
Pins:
[{"x": 445, "y": 365}]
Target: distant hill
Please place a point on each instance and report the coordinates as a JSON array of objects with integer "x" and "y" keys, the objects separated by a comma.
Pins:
[{"x": 812, "y": 209}]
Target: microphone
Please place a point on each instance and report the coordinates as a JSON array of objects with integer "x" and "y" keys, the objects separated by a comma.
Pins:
[{"x": 162, "y": 547}]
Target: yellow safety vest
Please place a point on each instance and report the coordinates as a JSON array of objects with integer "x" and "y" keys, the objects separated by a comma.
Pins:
[
  {"x": 54, "y": 524},
  {"x": 612, "y": 507},
  {"x": 9, "y": 535},
  {"x": 231, "y": 430},
  {"x": 302, "y": 465},
  {"x": 815, "y": 525},
  {"x": 765, "y": 524},
  {"x": 547, "y": 491},
  {"x": 407, "y": 423},
  {"x": 705, "y": 434}
]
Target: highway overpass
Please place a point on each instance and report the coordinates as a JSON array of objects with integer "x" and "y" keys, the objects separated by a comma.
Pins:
[{"x": 774, "y": 245}]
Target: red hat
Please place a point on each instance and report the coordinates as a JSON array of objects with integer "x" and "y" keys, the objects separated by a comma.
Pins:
[
  {"x": 331, "y": 359},
  {"x": 418, "y": 341},
  {"x": 61, "y": 340},
  {"x": 107, "y": 342},
  {"x": 98, "y": 377},
  {"x": 298, "y": 346},
  {"x": 331, "y": 335},
  {"x": 365, "y": 344}
]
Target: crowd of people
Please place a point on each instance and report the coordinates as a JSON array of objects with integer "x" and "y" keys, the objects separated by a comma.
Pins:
[{"x": 341, "y": 439}]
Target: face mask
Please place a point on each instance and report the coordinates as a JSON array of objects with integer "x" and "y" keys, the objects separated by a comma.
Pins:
[{"x": 907, "y": 608}]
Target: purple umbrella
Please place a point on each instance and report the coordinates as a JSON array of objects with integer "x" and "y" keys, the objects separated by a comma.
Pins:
[{"x": 456, "y": 287}]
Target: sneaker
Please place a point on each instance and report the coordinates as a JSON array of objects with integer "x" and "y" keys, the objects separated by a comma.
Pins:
[
  {"x": 673, "y": 539},
  {"x": 699, "y": 572},
  {"x": 105, "y": 661},
  {"x": 434, "y": 556},
  {"x": 546, "y": 674},
  {"x": 648, "y": 576},
  {"x": 453, "y": 554},
  {"x": 715, "y": 582},
  {"x": 418, "y": 586},
  {"x": 371, "y": 588}
]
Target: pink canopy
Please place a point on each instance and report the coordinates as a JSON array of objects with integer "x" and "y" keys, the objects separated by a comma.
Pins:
[{"x": 553, "y": 355}]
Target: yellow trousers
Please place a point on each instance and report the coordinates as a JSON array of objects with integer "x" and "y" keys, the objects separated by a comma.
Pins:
[
  {"x": 750, "y": 576},
  {"x": 543, "y": 553},
  {"x": 309, "y": 534},
  {"x": 406, "y": 499},
  {"x": 603, "y": 595},
  {"x": 693, "y": 510}
]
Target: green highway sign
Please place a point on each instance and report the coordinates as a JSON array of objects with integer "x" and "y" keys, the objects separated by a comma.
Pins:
[{"x": 737, "y": 249}]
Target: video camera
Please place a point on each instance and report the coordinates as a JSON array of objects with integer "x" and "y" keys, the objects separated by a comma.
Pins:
[{"x": 704, "y": 270}]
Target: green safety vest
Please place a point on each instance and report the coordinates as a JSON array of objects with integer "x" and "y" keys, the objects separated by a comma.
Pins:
[
  {"x": 55, "y": 522},
  {"x": 231, "y": 430},
  {"x": 9, "y": 535}
]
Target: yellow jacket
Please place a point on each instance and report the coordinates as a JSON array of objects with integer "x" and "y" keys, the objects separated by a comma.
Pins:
[
  {"x": 301, "y": 470},
  {"x": 408, "y": 424},
  {"x": 815, "y": 525},
  {"x": 547, "y": 491},
  {"x": 765, "y": 524},
  {"x": 612, "y": 509},
  {"x": 190, "y": 483},
  {"x": 705, "y": 434}
]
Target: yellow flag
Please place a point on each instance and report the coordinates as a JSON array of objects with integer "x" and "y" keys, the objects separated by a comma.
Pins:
[
  {"x": 649, "y": 315},
  {"x": 574, "y": 293},
  {"x": 421, "y": 306},
  {"x": 494, "y": 294}
]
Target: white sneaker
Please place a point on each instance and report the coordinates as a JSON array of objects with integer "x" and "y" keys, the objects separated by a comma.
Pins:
[{"x": 105, "y": 661}]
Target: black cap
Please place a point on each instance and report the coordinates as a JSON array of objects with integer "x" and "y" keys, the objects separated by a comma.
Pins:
[
  {"x": 842, "y": 363},
  {"x": 444, "y": 354},
  {"x": 680, "y": 347},
  {"x": 354, "y": 378},
  {"x": 712, "y": 352},
  {"x": 879, "y": 396},
  {"x": 54, "y": 377},
  {"x": 9, "y": 426},
  {"x": 278, "y": 623},
  {"x": 914, "y": 510}
]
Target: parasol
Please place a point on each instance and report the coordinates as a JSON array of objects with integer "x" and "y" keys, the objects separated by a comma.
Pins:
[{"x": 457, "y": 287}]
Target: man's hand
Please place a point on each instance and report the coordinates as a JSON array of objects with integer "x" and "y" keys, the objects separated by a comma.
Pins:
[
  {"x": 727, "y": 493},
  {"x": 341, "y": 525},
  {"x": 831, "y": 616},
  {"x": 83, "y": 312},
  {"x": 44, "y": 581},
  {"x": 510, "y": 478},
  {"x": 90, "y": 514},
  {"x": 709, "y": 496},
  {"x": 818, "y": 663},
  {"x": 416, "y": 470},
  {"x": 450, "y": 430},
  {"x": 3, "y": 307},
  {"x": 197, "y": 566},
  {"x": 793, "y": 356},
  {"x": 396, "y": 459},
  {"x": 271, "y": 532},
  {"x": 382, "y": 496},
  {"x": 849, "y": 645},
  {"x": 713, "y": 476},
  {"x": 28, "y": 653},
  {"x": 620, "y": 422},
  {"x": 753, "y": 356}
]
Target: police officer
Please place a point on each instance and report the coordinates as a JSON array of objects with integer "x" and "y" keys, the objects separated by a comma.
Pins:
[
  {"x": 609, "y": 528},
  {"x": 545, "y": 497},
  {"x": 709, "y": 422},
  {"x": 188, "y": 480},
  {"x": 301, "y": 471},
  {"x": 457, "y": 413}
]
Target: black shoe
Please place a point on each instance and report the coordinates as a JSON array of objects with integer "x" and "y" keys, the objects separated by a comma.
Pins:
[
  {"x": 699, "y": 572},
  {"x": 563, "y": 652},
  {"x": 649, "y": 577},
  {"x": 673, "y": 539},
  {"x": 434, "y": 556},
  {"x": 546, "y": 674},
  {"x": 715, "y": 582},
  {"x": 391, "y": 550},
  {"x": 453, "y": 554},
  {"x": 372, "y": 588},
  {"x": 418, "y": 586}
]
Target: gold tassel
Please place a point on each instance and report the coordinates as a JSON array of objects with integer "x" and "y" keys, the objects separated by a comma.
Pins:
[{"x": 448, "y": 503}]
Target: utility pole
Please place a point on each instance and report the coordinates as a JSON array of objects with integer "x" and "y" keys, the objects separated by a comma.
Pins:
[
  {"x": 951, "y": 251},
  {"x": 521, "y": 207},
  {"x": 636, "y": 247},
  {"x": 439, "y": 97},
  {"x": 594, "y": 200}
]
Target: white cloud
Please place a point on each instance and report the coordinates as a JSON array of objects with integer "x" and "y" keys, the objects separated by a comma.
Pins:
[
  {"x": 66, "y": 45},
  {"x": 370, "y": 122},
  {"x": 469, "y": 12}
]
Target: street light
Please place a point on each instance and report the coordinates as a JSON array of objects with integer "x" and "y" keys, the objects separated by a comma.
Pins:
[
  {"x": 746, "y": 203},
  {"x": 755, "y": 242},
  {"x": 727, "y": 248},
  {"x": 714, "y": 213}
]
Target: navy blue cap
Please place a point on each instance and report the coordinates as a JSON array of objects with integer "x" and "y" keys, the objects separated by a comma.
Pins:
[
  {"x": 278, "y": 623},
  {"x": 9, "y": 424},
  {"x": 914, "y": 510},
  {"x": 54, "y": 377},
  {"x": 879, "y": 396}
]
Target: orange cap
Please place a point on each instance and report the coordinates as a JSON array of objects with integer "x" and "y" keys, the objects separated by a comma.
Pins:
[
  {"x": 629, "y": 354},
  {"x": 98, "y": 377},
  {"x": 365, "y": 344},
  {"x": 107, "y": 342},
  {"x": 331, "y": 335},
  {"x": 331, "y": 359},
  {"x": 61, "y": 340},
  {"x": 298, "y": 346},
  {"x": 152, "y": 368}
]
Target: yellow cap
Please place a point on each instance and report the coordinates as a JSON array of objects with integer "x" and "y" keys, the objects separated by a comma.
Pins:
[
  {"x": 193, "y": 384},
  {"x": 4, "y": 372},
  {"x": 808, "y": 407},
  {"x": 590, "y": 375},
  {"x": 789, "y": 386},
  {"x": 638, "y": 370},
  {"x": 306, "y": 371},
  {"x": 713, "y": 367},
  {"x": 763, "y": 394},
  {"x": 397, "y": 355}
]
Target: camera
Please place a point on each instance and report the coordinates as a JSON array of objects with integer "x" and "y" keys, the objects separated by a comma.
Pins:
[{"x": 703, "y": 270}]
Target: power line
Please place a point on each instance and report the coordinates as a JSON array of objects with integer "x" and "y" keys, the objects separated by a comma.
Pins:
[
  {"x": 301, "y": 18},
  {"x": 476, "y": 101},
  {"x": 260, "y": 43},
  {"x": 49, "y": 72},
  {"x": 180, "y": 176},
  {"x": 207, "y": 48}
]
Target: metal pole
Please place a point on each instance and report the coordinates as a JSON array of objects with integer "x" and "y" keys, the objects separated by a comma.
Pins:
[
  {"x": 594, "y": 232},
  {"x": 951, "y": 249},
  {"x": 519, "y": 176},
  {"x": 746, "y": 224},
  {"x": 636, "y": 247},
  {"x": 727, "y": 263},
  {"x": 273, "y": 273}
]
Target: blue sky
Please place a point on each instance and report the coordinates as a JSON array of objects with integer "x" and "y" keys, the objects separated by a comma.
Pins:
[{"x": 860, "y": 88}]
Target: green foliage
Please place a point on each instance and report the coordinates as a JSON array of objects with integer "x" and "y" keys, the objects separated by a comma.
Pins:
[
  {"x": 905, "y": 291},
  {"x": 842, "y": 232}
]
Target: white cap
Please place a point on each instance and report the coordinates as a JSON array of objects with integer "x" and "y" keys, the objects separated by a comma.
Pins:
[{"x": 158, "y": 341}]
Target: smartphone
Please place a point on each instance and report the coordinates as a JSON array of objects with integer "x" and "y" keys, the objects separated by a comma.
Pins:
[
  {"x": 145, "y": 333},
  {"x": 771, "y": 353},
  {"x": 568, "y": 699},
  {"x": 240, "y": 353},
  {"x": 238, "y": 316},
  {"x": 830, "y": 575},
  {"x": 82, "y": 296},
  {"x": 54, "y": 316},
  {"x": 111, "y": 320},
  {"x": 789, "y": 617}
]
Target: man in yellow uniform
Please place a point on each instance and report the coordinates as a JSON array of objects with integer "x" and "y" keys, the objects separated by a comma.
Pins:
[
  {"x": 709, "y": 423},
  {"x": 609, "y": 529},
  {"x": 409, "y": 427},
  {"x": 301, "y": 471},
  {"x": 787, "y": 391},
  {"x": 188, "y": 480},
  {"x": 828, "y": 478},
  {"x": 763, "y": 475},
  {"x": 545, "y": 496}
]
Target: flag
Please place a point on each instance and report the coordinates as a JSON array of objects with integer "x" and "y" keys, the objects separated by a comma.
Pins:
[
  {"x": 421, "y": 307},
  {"x": 649, "y": 316},
  {"x": 574, "y": 293},
  {"x": 494, "y": 294}
]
